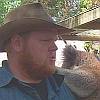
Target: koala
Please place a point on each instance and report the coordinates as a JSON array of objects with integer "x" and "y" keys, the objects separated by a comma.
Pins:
[{"x": 82, "y": 73}]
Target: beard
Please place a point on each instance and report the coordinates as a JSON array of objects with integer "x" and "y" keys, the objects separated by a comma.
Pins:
[{"x": 33, "y": 69}]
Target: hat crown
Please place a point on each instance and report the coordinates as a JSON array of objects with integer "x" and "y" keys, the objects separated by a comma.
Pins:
[
  {"x": 35, "y": 10},
  {"x": 27, "y": 18}
]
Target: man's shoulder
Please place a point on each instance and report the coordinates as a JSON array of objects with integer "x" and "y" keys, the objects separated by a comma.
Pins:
[
  {"x": 58, "y": 79},
  {"x": 5, "y": 76},
  {"x": 2, "y": 71},
  {"x": 58, "y": 84}
]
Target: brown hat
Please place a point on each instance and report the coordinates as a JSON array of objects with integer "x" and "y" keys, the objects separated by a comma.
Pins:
[{"x": 27, "y": 18}]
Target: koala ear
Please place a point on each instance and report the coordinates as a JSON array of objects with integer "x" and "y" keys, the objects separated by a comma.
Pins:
[
  {"x": 69, "y": 57},
  {"x": 17, "y": 42}
]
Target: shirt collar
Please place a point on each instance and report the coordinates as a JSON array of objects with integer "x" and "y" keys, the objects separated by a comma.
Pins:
[
  {"x": 5, "y": 75},
  {"x": 53, "y": 83}
]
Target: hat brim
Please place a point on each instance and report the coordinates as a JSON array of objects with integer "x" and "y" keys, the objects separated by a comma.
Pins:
[{"x": 27, "y": 25}]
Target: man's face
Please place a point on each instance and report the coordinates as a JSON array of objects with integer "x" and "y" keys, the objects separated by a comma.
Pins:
[{"x": 39, "y": 54}]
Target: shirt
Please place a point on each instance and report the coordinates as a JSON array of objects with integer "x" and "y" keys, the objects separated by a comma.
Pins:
[
  {"x": 12, "y": 89},
  {"x": 41, "y": 89}
]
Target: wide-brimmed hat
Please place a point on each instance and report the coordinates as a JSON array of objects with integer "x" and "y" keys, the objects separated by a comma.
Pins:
[{"x": 29, "y": 17}]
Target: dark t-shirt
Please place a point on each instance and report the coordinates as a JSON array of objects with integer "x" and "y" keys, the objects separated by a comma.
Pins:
[{"x": 41, "y": 89}]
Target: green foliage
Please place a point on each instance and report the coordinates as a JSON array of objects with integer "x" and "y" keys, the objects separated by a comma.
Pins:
[
  {"x": 88, "y": 46},
  {"x": 85, "y": 5},
  {"x": 93, "y": 47},
  {"x": 3, "y": 10},
  {"x": 28, "y": 1},
  {"x": 55, "y": 9},
  {"x": 6, "y": 6},
  {"x": 58, "y": 9}
]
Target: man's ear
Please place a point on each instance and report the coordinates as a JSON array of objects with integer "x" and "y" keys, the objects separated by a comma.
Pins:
[{"x": 17, "y": 43}]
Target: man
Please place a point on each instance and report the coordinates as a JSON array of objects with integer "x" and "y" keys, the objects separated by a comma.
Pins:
[{"x": 28, "y": 36}]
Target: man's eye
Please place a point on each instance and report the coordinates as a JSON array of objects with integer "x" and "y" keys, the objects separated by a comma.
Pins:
[{"x": 46, "y": 40}]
